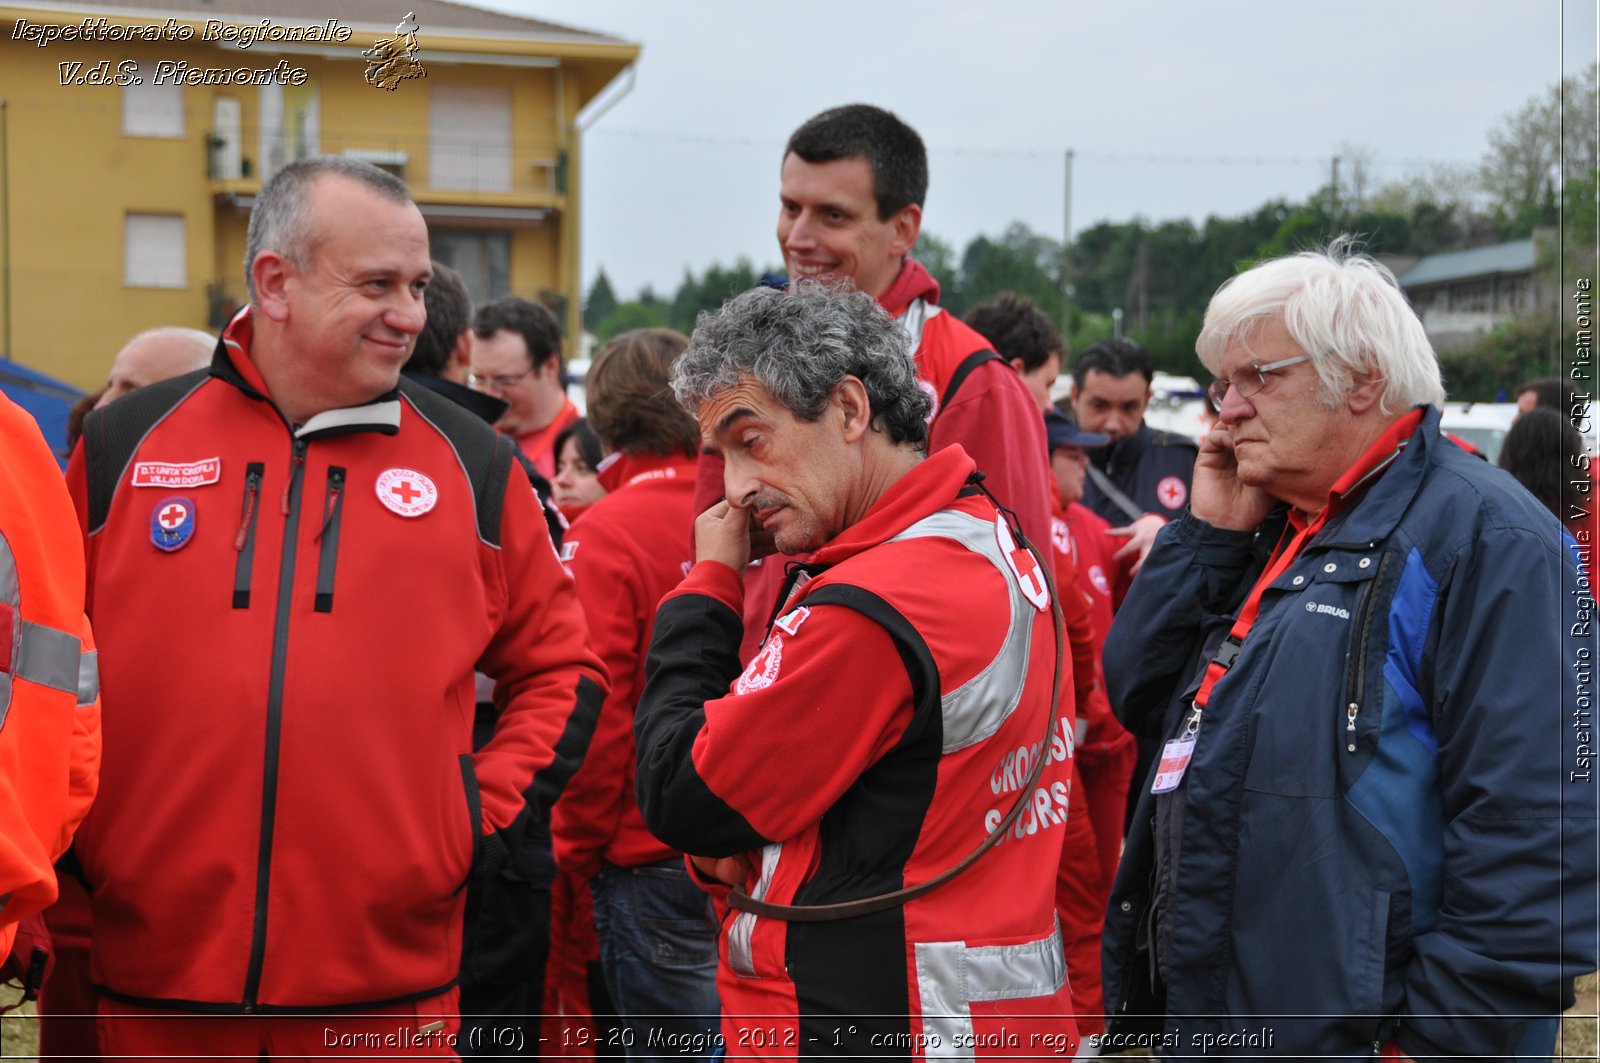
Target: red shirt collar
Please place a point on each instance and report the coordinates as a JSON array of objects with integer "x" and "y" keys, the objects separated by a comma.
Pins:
[
  {"x": 620, "y": 470},
  {"x": 912, "y": 283},
  {"x": 237, "y": 339},
  {"x": 927, "y": 488},
  {"x": 1367, "y": 468}
]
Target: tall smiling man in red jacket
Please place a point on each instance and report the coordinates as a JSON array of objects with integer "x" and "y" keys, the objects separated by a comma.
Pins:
[
  {"x": 297, "y": 560},
  {"x": 850, "y": 208}
]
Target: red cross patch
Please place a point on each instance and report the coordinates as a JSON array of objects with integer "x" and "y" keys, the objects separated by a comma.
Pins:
[
  {"x": 172, "y": 524},
  {"x": 763, "y": 669},
  {"x": 406, "y": 492},
  {"x": 1172, "y": 493},
  {"x": 172, "y": 514}
]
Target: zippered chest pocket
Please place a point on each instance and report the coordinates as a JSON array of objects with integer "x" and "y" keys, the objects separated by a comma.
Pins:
[{"x": 1311, "y": 678}]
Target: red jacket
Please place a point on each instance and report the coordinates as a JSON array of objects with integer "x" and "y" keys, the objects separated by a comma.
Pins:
[
  {"x": 49, "y": 708},
  {"x": 1082, "y": 881},
  {"x": 979, "y": 404},
  {"x": 888, "y": 724},
  {"x": 538, "y": 446},
  {"x": 625, "y": 553},
  {"x": 291, "y": 801},
  {"x": 1082, "y": 533}
]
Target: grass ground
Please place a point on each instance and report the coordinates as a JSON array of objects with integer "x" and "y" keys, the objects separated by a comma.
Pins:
[
  {"x": 19, "y": 1030},
  {"x": 1580, "y": 1039}
]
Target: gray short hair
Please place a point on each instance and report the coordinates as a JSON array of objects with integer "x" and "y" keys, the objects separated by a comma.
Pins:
[
  {"x": 1344, "y": 309},
  {"x": 278, "y": 221},
  {"x": 799, "y": 346}
]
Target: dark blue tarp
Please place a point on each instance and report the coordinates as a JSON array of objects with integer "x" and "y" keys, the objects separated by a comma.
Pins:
[{"x": 48, "y": 399}]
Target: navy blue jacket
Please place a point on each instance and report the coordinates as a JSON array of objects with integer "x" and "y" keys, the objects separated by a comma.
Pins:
[
  {"x": 1152, "y": 467},
  {"x": 1388, "y": 828}
]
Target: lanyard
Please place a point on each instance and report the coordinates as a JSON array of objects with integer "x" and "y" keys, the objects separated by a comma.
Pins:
[{"x": 1229, "y": 651}]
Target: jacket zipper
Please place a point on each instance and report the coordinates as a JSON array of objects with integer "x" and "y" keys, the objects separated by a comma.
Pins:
[
  {"x": 469, "y": 781},
  {"x": 1358, "y": 651},
  {"x": 332, "y": 507},
  {"x": 269, "y": 786},
  {"x": 245, "y": 542}
]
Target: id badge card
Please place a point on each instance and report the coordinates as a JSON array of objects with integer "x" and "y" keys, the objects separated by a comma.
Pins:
[{"x": 1174, "y": 762}]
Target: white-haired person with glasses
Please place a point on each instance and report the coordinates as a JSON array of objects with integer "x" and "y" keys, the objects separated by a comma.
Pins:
[{"x": 1370, "y": 831}]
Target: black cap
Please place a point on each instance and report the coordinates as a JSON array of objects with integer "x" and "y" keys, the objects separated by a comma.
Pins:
[{"x": 1060, "y": 432}]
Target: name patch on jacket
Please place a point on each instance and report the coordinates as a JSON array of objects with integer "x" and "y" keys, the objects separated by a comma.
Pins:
[
  {"x": 177, "y": 473},
  {"x": 172, "y": 523}
]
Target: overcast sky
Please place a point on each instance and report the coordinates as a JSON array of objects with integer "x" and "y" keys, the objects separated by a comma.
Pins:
[{"x": 1173, "y": 108}]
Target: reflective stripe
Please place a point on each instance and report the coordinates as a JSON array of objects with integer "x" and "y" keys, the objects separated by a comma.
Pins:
[
  {"x": 951, "y": 976},
  {"x": 10, "y": 589},
  {"x": 975, "y": 710},
  {"x": 43, "y": 655},
  {"x": 49, "y": 657},
  {"x": 741, "y": 955},
  {"x": 88, "y": 678}
]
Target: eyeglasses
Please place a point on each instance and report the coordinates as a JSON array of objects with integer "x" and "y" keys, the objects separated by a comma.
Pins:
[
  {"x": 1249, "y": 380},
  {"x": 496, "y": 383}
]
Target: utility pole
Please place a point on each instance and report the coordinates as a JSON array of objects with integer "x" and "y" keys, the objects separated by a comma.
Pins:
[
  {"x": 1334, "y": 184},
  {"x": 1066, "y": 239},
  {"x": 1066, "y": 206}
]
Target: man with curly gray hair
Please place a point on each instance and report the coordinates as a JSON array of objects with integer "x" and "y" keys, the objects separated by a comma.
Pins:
[{"x": 826, "y": 790}]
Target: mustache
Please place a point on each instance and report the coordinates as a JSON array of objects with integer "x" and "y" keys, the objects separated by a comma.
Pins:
[{"x": 757, "y": 501}]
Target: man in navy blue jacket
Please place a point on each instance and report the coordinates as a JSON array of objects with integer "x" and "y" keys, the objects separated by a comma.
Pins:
[{"x": 1373, "y": 826}]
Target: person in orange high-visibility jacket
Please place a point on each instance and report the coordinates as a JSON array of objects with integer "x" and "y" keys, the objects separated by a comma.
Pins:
[{"x": 49, "y": 686}]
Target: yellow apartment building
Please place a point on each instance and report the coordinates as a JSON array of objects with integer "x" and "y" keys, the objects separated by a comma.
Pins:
[{"x": 135, "y": 136}]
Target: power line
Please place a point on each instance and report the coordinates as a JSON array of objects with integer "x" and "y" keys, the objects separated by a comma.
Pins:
[{"x": 1041, "y": 154}]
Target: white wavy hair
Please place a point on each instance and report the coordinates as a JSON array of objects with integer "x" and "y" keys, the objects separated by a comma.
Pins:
[{"x": 1344, "y": 309}]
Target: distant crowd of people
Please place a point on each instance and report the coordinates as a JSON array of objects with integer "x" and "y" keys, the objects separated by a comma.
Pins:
[{"x": 825, "y": 687}]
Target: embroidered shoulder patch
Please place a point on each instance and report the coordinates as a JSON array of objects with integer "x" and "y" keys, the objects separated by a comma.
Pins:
[
  {"x": 172, "y": 523},
  {"x": 790, "y": 622},
  {"x": 762, "y": 672}
]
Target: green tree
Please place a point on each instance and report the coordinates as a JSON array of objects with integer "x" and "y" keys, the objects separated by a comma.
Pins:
[
  {"x": 600, "y": 303},
  {"x": 1019, "y": 260},
  {"x": 1518, "y": 349},
  {"x": 940, "y": 259},
  {"x": 647, "y": 311},
  {"x": 717, "y": 286},
  {"x": 685, "y": 303},
  {"x": 1537, "y": 149}
]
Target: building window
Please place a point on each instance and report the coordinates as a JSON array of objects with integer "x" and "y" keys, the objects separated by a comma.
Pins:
[
  {"x": 469, "y": 138},
  {"x": 150, "y": 110},
  {"x": 291, "y": 125},
  {"x": 155, "y": 251},
  {"x": 481, "y": 256}
]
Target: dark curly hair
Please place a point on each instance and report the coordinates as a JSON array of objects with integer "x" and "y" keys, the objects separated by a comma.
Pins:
[{"x": 1016, "y": 329}]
